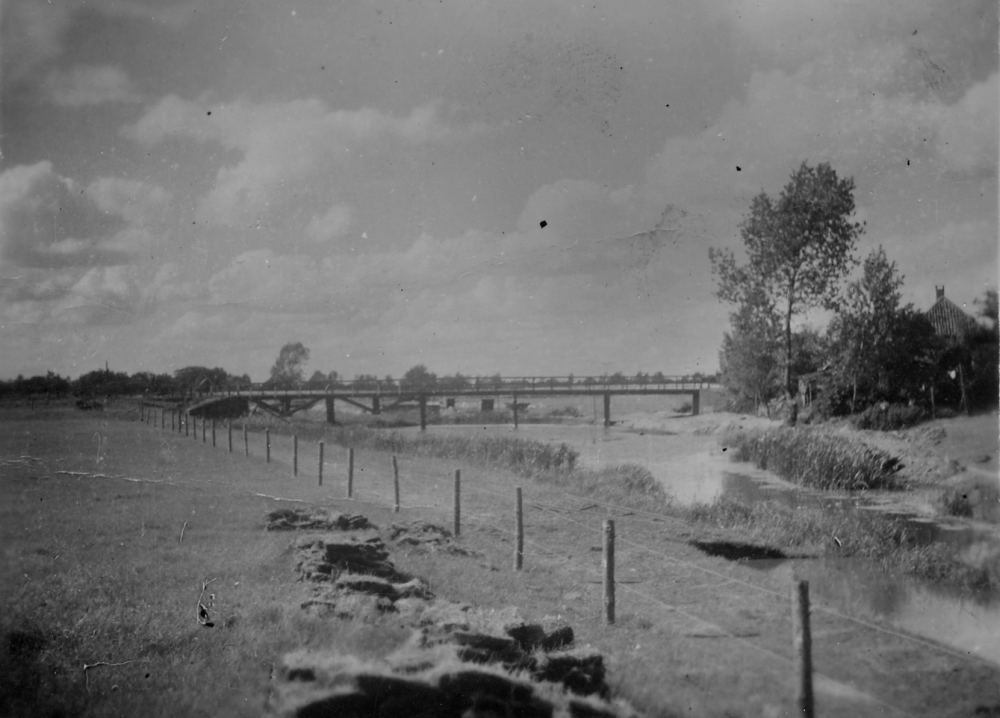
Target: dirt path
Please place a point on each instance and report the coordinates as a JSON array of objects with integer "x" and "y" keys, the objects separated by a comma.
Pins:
[{"x": 695, "y": 635}]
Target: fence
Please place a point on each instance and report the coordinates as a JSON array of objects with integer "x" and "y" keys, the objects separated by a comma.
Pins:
[{"x": 800, "y": 611}]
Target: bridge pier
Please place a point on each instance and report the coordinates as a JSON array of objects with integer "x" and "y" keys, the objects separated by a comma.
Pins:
[
  {"x": 607, "y": 408},
  {"x": 331, "y": 417},
  {"x": 696, "y": 402},
  {"x": 376, "y": 405}
]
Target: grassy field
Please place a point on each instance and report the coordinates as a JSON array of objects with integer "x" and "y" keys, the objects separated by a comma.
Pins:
[{"x": 100, "y": 594}]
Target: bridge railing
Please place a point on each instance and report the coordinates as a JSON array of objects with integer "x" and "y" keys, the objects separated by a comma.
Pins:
[{"x": 498, "y": 384}]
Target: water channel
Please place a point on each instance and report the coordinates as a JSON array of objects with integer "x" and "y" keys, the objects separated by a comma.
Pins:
[{"x": 689, "y": 473}]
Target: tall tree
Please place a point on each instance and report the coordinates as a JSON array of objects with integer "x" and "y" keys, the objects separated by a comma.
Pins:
[
  {"x": 799, "y": 248},
  {"x": 749, "y": 357},
  {"x": 865, "y": 330},
  {"x": 288, "y": 368}
]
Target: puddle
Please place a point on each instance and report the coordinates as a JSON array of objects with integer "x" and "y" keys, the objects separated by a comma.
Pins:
[{"x": 968, "y": 622}]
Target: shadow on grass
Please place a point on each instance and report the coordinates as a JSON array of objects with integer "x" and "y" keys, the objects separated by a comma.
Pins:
[{"x": 736, "y": 551}]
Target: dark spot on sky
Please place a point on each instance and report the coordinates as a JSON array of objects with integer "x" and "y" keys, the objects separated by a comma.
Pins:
[
  {"x": 322, "y": 67},
  {"x": 738, "y": 168},
  {"x": 543, "y": 224},
  {"x": 914, "y": 32},
  {"x": 668, "y": 105},
  {"x": 209, "y": 112},
  {"x": 907, "y": 163}
]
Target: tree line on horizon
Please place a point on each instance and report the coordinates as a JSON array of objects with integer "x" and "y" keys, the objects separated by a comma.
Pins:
[
  {"x": 288, "y": 372},
  {"x": 875, "y": 351}
]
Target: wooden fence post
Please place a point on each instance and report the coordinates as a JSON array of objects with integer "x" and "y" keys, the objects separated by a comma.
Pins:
[
  {"x": 608, "y": 564},
  {"x": 204, "y": 430},
  {"x": 267, "y": 442},
  {"x": 213, "y": 433},
  {"x": 246, "y": 440},
  {"x": 172, "y": 425},
  {"x": 518, "y": 531},
  {"x": 163, "y": 418},
  {"x": 395, "y": 484},
  {"x": 295, "y": 454},
  {"x": 458, "y": 501},
  {"x": 802, "y": 647},
  {"x": 187, "y": 425},
  {"x": 321, "y": 463},
  {"x": 350, "y": 473},
  {"x": 142, "y": 415},
  {"x": 229, "y": 428}
]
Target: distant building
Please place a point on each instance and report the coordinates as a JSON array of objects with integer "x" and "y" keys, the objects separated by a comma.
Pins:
[{"x": 948, "y": 319}]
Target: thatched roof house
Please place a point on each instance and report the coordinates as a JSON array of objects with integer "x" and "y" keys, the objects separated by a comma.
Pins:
[{"x": 948, "y": 319}]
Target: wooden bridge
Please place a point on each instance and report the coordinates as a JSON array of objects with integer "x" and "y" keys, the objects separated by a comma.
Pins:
[{"x": 377, "y": 396}]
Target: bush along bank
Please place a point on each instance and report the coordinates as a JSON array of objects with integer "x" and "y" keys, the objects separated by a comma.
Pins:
[{"x": 809, "y": 457}]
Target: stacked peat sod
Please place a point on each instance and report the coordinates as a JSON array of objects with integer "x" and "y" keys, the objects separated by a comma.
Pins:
[{"x": 460, "y": 661}]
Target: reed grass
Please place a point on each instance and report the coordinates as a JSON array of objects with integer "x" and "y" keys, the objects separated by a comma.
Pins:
[
  {"x": 812, "y": 458},
  {"x": 519, "y": 455},
  {"x": 849, "y": 533}
]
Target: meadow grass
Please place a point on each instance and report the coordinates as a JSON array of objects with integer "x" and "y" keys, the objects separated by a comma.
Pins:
[{"x": 814, "y": 458}]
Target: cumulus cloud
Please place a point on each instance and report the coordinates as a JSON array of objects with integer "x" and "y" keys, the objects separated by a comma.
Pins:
[
  {"x": 89, "y": 85},
  {"x": 31, "y": 34},
  {"x": 283, "y": 144},
  {"x": 332, "y": 225},
  {"x": 47, "y": 220},
  {"x": 968, "y": 131}
]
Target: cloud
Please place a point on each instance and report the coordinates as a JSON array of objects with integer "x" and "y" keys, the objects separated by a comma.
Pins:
[
  {"x": 89, "y": 85},
  {"x": 332, "y": 225},
  {"x": 47, "y": 220},
  {"x": 962, "y": 256},
  {"x": 968, "y": 131},
  {"x": 283, "y": 145},
  {"x": 136, "y": 201},
  {"x": 31, "y": 34}
]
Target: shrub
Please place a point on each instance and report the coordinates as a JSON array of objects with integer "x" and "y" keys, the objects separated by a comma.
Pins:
[
  {"x": 888, "y": 417},
  {"x": 808, "y": 457}
]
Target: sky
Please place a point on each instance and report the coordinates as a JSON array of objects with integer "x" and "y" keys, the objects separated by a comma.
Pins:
[{"x": 528, "y": 187}]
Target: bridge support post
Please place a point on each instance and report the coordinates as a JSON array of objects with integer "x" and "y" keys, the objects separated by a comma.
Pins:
[
  {"x": 331, "y": 417},
  {"x": 515, "y": 411},
  {"x": 376, "y": 406},
  {"x": 696, "y": 402},
  {"x": 607, "y": 408},
  {"x": 423, "y": 412}
]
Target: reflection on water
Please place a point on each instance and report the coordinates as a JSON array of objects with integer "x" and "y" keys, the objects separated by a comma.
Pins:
[
  {"x": 854, "y": 587},
  {"x": 849, "y": 585}
]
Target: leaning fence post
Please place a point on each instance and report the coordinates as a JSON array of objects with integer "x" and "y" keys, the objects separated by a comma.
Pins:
[
  {"x": 267, "y": 442},
  {"x": 321, "y": 463},
  {"x": 458, "y": 501},
  {"x": 395, "y": 483},
  {"x": 802, "y": 647},
  {"x": 246, "y": 440},
  {"x": 350, "y": 473},
  {"x": 608, "y": 564},
  {"x": 518, "y": 531}
]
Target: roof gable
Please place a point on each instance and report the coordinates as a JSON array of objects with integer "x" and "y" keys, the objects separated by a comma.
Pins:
[{"x": 949, "y": 320}]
